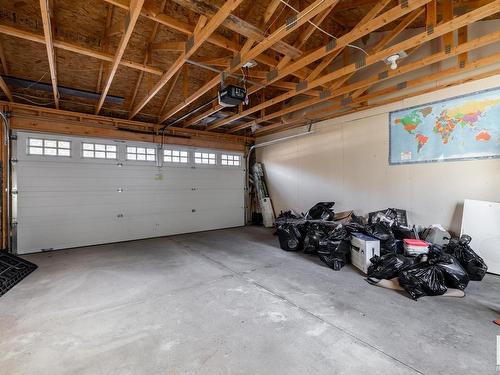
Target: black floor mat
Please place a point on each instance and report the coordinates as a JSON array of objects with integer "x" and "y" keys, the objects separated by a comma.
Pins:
[{"x": 12, "y": 270}]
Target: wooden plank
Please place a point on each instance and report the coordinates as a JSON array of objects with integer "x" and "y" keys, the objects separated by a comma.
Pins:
[
  {"x": 447, "y": 10},
  {"x": 105, "y": 44},
  {"x": 439, "y": 56},
  {"x": 6, "y": 89},
  {"x": 47, "y": 30},
  {"x": 3, "y": 59},
  {"x": 69, "y": 117},
  {"x": 167, "y": 96},
  {"x": 418, "y": 39},
  {"x": 132, "y": 17},
  {"x": 327, "y": 60},
  {"x": 203, "y": 32},
  {"x": 301, "y": 122},
  {"x": 236, "y": 24},
  {"x": 463, "y": 38},
  {"x": 271, "y": 8},
  {"x": 304, "y": 16}
]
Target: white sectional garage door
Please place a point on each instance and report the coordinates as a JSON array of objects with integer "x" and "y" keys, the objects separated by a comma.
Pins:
[{"x": 69, "y": 201}]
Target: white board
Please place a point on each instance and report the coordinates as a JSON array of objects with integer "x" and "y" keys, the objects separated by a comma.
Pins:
[
  {"x": 481, "y": 221},
  {"x": 66, "y": 202}
]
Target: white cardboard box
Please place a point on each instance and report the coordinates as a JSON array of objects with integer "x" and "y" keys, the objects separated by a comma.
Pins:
[{"x": 363, "y": 248}]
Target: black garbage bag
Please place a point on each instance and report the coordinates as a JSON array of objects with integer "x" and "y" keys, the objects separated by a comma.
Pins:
[
  {"x": 391, "y": 215},
  {"x": 290, "y": 237},
  {"x": 321, "y": 211},
  {"x": 382, "y": 232},
  {"x": 335, "y": 249},
  {"x": 472, "y": 263},
  {"x": 286, "y": 216},
  {"x": 388, "y": 266},
  {"x": 334, "y": 253},
  {"x": 400, "y": 232},
  {"x": 315, "y": 232},
  {"x": 423, "y": 279},
  {"x": 454, "y": 274}
]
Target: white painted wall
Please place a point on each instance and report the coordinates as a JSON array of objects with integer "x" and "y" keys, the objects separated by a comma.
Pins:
[{"x": 346, "y": 160}]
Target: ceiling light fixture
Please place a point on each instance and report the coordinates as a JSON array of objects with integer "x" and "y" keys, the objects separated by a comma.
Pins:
[
  {"x": 250, "y": 64},
  {"x": 392, "y": 60}
]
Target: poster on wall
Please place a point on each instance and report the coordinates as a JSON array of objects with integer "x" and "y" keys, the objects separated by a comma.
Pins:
[{"x": 465, "y": 127}]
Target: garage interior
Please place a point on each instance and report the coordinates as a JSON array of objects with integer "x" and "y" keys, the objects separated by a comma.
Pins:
[{"x": 158, "y": 157}]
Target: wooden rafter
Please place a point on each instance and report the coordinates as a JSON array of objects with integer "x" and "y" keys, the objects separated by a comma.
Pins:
[
  {"x": 3, "y": 59},
  {"x": 167, "y": 95},
  {"x": 454, "y": 24},
  {"x": 105, "y": 44},
  {"x": 147, "y": 58},
  {"x": 304, "y": 36},
  {"x": 304, "y": 16},
  {"x": 132, "y": 17},
  {"x": 47, "y": 30},
  {"x": 321, "y": 52},
  {"x": 6, "y": 89},
  {"x": 437, "y": 57},
  {"x": 202, "y": 31},
  {"x": 321, "y": 117}
]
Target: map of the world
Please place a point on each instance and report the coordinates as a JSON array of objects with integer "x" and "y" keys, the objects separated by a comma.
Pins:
[{"x": 465, "y": 127}]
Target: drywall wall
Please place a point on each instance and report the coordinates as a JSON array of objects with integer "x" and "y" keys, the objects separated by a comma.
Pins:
[{"x": 346, "y": 160}]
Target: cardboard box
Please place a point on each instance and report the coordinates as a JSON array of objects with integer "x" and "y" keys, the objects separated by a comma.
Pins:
[{"x": 363, "y": 248}]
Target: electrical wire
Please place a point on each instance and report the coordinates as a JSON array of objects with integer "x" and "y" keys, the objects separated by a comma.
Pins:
[
  {"x": 320, "y": 29},
  {"x": 24, "y": 97}
]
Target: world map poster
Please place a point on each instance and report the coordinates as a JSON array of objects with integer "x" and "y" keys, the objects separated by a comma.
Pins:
[{"x": 465, "y": 127}]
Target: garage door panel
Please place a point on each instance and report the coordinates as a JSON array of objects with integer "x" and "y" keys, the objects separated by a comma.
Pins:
[{"x": 71, "y": 202}]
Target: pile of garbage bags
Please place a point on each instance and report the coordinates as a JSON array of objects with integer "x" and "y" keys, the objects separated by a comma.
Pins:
[{"x": 449, "y": 263}]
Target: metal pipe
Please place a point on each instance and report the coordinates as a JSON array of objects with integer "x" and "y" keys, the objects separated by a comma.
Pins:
[
  {"x": 247, "y": 162},
  {"x": 6, "y": 139}
]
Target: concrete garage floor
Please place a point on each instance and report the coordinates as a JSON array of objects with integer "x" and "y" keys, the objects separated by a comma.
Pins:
[{"x": 231, "y": 302}]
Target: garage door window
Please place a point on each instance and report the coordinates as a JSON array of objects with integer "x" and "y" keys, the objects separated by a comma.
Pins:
[
  {"x": 141, "y": 153},
  {"x": 48, "y": 147},
  {"x": 232, "y": 160},
  {"x": 204, "y": 158},
  {"x": 98, "y": 151},
  {"x": 175, "y": 156}
]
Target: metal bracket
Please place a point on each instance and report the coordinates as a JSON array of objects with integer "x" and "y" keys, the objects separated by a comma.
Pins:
[
  {"x": 272, "y": 74},
  {"x": 291, "y": 22},
  {"x": 13, "y": 137},
  {"x": 447, "y": 48},
  {"x": 361, "y": 62},
  {"x": 13, "y": 161},
  {"x": 430, "y": 29},
  {"x": 402, "y": 85},
  {"x": 325, "y": 94},
  {"x": 383, "y": 75},
  {"x": 462, "y": 64},
  {"x": 301, "y": 86},
  {"x": 331, "y": 45},
  {"x": 404, "y": 4}
]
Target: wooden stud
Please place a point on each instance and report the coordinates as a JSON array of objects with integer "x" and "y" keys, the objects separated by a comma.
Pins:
[
  {"x": 463, "y": 38},
  {"x": 203, "y": 32},
  {"x": 132, "y": 17},
  {"x": 47, "y": 30}
]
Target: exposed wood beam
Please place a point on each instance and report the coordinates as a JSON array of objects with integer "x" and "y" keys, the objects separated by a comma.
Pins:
[
  {"x": 271, "y": 8},
  {"x": 132, "y": 17},
  {"x": 236, "y": 24},
  {"x": 105, "y": 44},
  {"x": 321, "y": 116},
  {"x": 447, "y": 10},
  {"x": 363, "y": 84},
  {"x": 47, "y": 30},
  {"x": 327, "y": 60},
  {"x": 301, "y": 41},
  {"x": 340, "y": 43},
  {"x": 439, "y": 30},
  {"x": 6, "y": 89},
  {"x": 51, "y": 120},
  {"x": 303, "y": 17},
  {"x": 3, "y": 59},
  {"x": 167, "y": 95},
  {"x": 26, "y": 35},
  {"x": 463, "y": 38},
  {"x": 146, "y": 60},
  {"x": 202, "y": 31}
]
